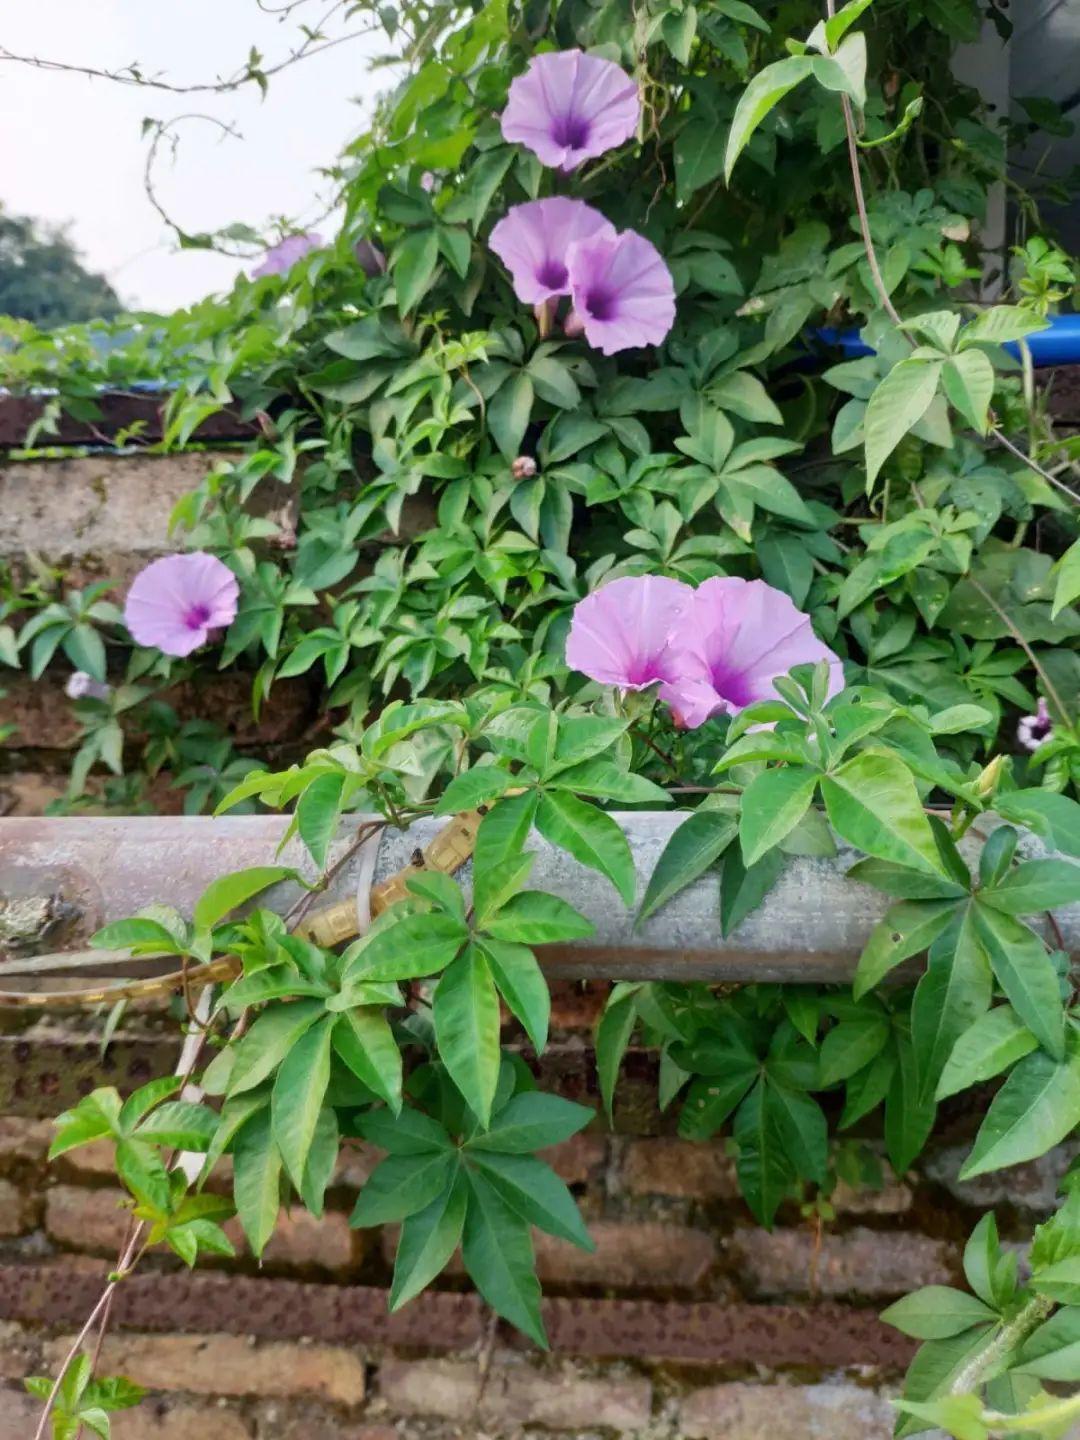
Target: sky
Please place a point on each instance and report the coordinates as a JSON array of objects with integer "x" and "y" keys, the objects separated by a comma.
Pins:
[{"x": 73, "y": 150}]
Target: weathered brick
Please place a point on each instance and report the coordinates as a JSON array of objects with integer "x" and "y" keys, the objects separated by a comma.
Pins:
[
  {"x": 19, "y": 1352},
  {"x": 578, "y": 1159},
  {"x": 158, "y": 1418},
  {"x": 810, "y": 1412},
  {"x": 894, "y": 1198},
  {"x": 220, "y": 1364},
  {"x": 679, "y": 1168},
  {"x": 861, "y": 1262},
  {"x": 355, "y": 1163},
  {"x": 577, "y": 1004},
  {"x": 629, "y": 1255},
  {"x": 93, "y": 1220},
  {"x": 24, "y": 1139},
  {"x": 310, "y": 1422},
  {"x": 515, "y": 1394},
  {"x": 18, "y": 1209},
  {"x": 19, "y": 1414}
]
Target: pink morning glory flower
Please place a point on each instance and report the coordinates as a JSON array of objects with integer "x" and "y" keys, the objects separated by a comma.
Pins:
[
  {"x": 623, "y": 293},
  {"x": 1032, "y": 730},
  {"x": 569, "y": 107},
  {"x": 533, "y": 241},
  {"x": 284, "y": 255},
  {"x": 176, "y": 601},
  {"x": 737, "y": 637},
  {"x": 621, "y": 634}
]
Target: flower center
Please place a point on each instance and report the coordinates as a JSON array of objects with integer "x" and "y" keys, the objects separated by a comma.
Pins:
[
  {"x": 731, "y": 686},
  {"x": 600, "y": 304},
  {"x": 571, "y": 132},
  {"x": 552, "y": 275},
  {"x": 197, "y": 616}
]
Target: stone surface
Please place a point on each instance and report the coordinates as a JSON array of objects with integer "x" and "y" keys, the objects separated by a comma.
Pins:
[
  {"x": 314, "y": 1422},
  {"x": 18, "y": 1210},
  {"x": 741, "y": 1411},
  {"x": 1032, "y": 1186},
  {"x": 24, "y": 1139},
  {"x": 870, "y": 1264},
  {"x": 19, "y": 1413},
  {"x": 219, "y": 1364},
  {"x": 515, "y": 1394}
]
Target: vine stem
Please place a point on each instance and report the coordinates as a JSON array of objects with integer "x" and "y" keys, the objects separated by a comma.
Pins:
[
  {"x": 1011, "y": 1335},
  {"x": 1016, "y": 633},
  {"x": 1038, "y": 1420},
  {"x": 882, "y": 292}
]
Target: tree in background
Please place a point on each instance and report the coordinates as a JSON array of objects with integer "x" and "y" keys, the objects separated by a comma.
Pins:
[{"x": 42, "y": 278}]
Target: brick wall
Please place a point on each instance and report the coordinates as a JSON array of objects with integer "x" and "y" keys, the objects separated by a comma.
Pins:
[{"x": 688, "y": 1321}]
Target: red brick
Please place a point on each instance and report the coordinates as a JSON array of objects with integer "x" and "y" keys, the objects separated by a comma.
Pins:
[
  {"x": 277, "y": 1422},
  {"x": 629, "y": 1255},
  {"x": 162, "y": 1419},
  {"x": 577, "y": 1004},
  {"x": 516, "y": 1393},
  {"x": 679, "y": 1168},
  {"x": 222, "y": 1364},
  {"x": 18, "y": 1210},
  {"x": 578, "y": 1159},
  {"x": 862, "y": 1262},
  {"x": 894, "y": 1198},
  {"x": 809, "y": 1412},
  {"x": 93, "y": 1220}
]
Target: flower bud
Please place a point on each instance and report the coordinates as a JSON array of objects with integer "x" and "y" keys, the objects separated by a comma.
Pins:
[
  {"x": 81, "y": 686},
  {"x": 523, "y": 468}
]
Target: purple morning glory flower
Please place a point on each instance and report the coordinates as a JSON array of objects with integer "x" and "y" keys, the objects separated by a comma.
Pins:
[
  {"x": 1032, "y": 730},
  {"x": 533, "y": 242},
  {"x": 621, "y": 634},
  {"x": 623, "y": 293},
  {"x": 734, "y": 641},
  {"x": 569, "y": 107},
  {"x": 284, "y": 255},
  {"x": 176, "y": 601}
]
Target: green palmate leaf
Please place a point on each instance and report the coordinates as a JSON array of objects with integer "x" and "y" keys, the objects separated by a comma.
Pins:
[
  {"x": 401, "y": 1186},
  {"x": 968, "y": 382},
  {"x": 851, "y": 1045},
  {"x": 508, "y": 414},
  {"x": 743, "y": 889},
  {"x": 935, "y": 1368},
  {"x": 589, "y": 836},
  {"x": 604, "y": 780},
  {"x": 96, "y": 1116},
  {"x": 909, "y": 1115},
  {"x": 410, "y": 1133},
  {"x": 125, "y": 934},
  {"x": 1055, "y": 817},
  {"x": 536, "y": 1193},
  {"x": 698, "y": 842},
  {"x": 407, "y": 948},
  {"x": 298, "y": 1095},
  {"x": 364, "y": 1040},
  {"x": 317, "y": 814},
  {"x": 906, "y": 929},
  {"x": 1026, "y": 973},
  {"x": 801, "y": 1121},
  {"x": 498, "y": 1254},
  {"x": 1060, "y": 1281},
  {"x": 414, "y": 267},
  {"x": 711, "y": 1099},
  {"x": 1052, "y": 1352},
  {"x": 895, "y": 408},
  {"x": 321, "y": 1160},
  {"x": 505, "y": 828},
  {"x": 996, "y": 1041},
  {"x": 613, "y": 1034},
  {"x": 466, "y": 1011},
  {"x": 766, "y": 1174},
  {"x": 479, "y": 786},
  {"x": 699, "y": 153},
  {"x": 269, "y": 1040},
  {"x": 180, "y": 1123},
  {"x": 872, "y": 802},
  {"x": 772, "y": 805},
  {"x": 1035, "y": 885},
  {"x": 536, "y": 918},
  {"x": 906, "y": 884},
  {"x": 1034, "y": 1110},
  {"x": 142, "y": 1170},
  {"x": 522, "y": 985},
  {"x": 954, "y": 992},
  {"x": 428, "y": 1239},
  {"x": 766, "y": 89},
  {"x": 257, "y": 1180},
  {"x": 532, "y": 1121},
  {"x": 494, "y": 885},
  {"x": 236, "y": 889},
  {"x": 937, "y": 1312}
]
